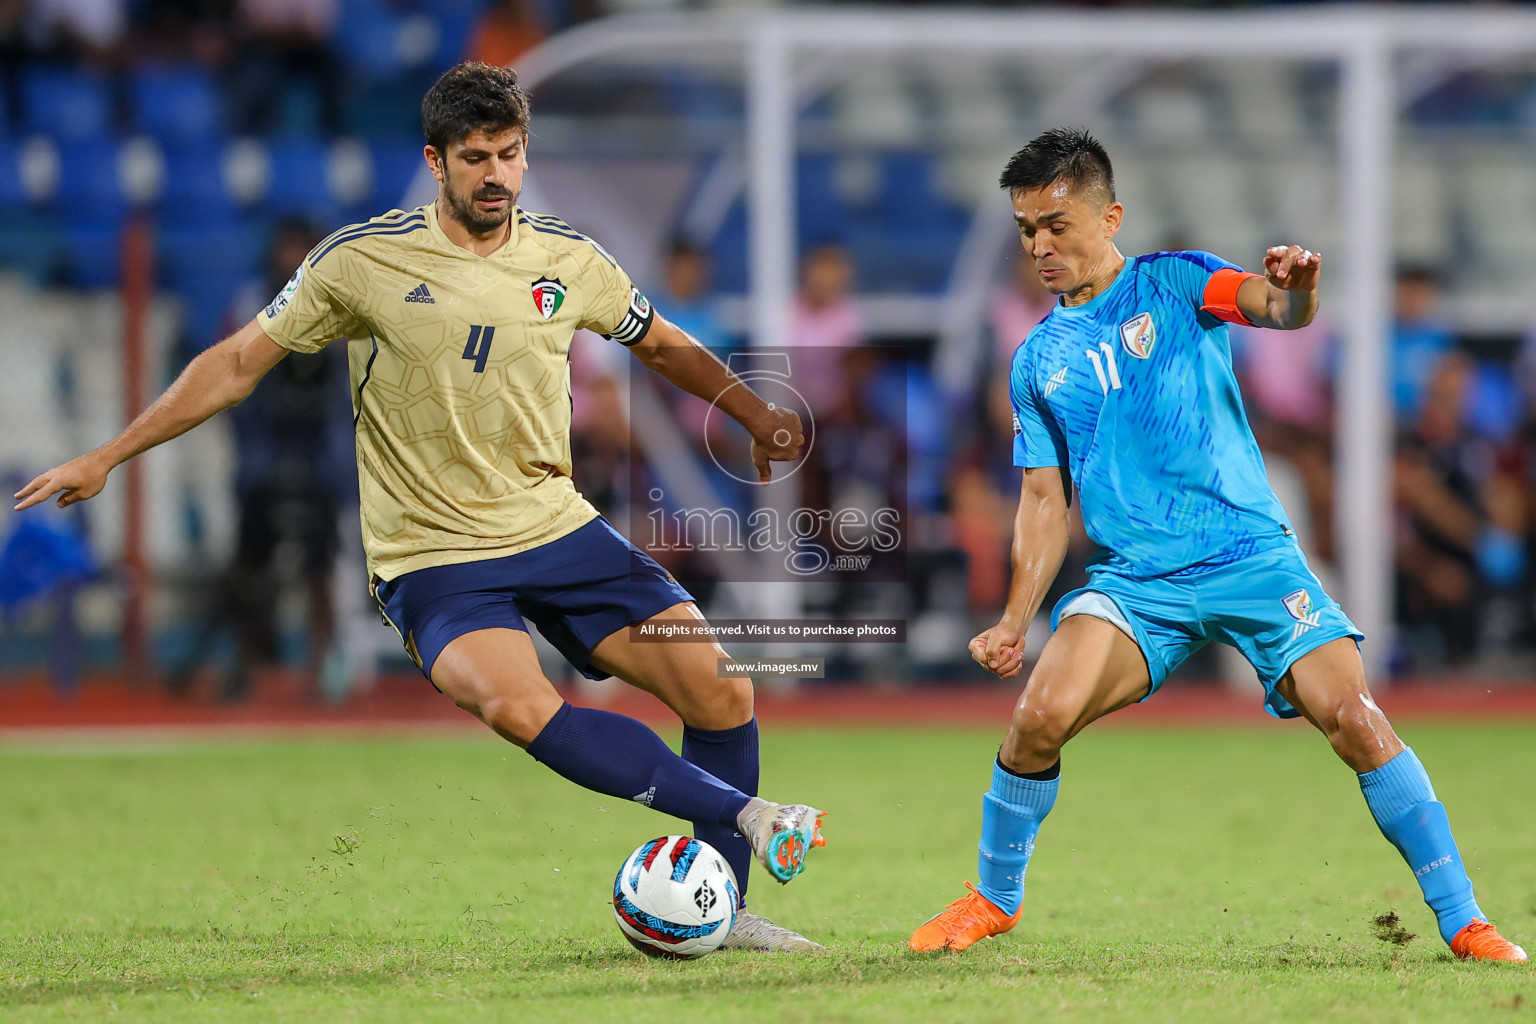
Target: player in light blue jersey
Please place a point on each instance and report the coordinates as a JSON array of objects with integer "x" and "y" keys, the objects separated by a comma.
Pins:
[{"x": 1126, "y": 391}]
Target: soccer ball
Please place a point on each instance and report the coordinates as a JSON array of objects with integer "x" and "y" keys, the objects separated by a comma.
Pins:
[{"x": 675, "y": 898}]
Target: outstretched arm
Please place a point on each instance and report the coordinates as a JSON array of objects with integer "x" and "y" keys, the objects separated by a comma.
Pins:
[
  {"x": 1285, "y": 298},
  {"x": 1039, "y": 545},
  {"x": 214, "y": 381},
  {"x": 670, "y": 351}
]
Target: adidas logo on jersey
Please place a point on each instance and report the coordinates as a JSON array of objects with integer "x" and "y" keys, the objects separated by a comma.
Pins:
[
  {"x": 1058, "y": 380},
  {"x": 419, "y": 294}
]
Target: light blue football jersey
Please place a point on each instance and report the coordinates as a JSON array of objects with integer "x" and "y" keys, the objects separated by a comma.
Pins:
[{"x": 1134, "y": 393}]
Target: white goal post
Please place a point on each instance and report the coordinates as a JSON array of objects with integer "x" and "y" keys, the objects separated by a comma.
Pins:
[{"x": 1364, "y": 44}]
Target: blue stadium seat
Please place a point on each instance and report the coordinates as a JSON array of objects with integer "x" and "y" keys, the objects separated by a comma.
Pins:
[
  {"x": 90, "y": 191},
  {"x": 207, "y": 303},
  {"x": 93, "y": 255},
  {"x": 366, "y": 41},
  {"x": 195, "y": 193},
  {"x": 188, "y": 254},
  {"x": 30, "y": 243},
  {"x": 13, "y": 191},
  {"x": 299, "y": 182},
  {"x": 823, "y": 216},
  {"x": 176, "y": 103},
  {"x": 906, "y": 240},
  {"x": 728, "y": 252},
  {"x": 66, "y": 103},
  {"x": 395, "y": 166}
]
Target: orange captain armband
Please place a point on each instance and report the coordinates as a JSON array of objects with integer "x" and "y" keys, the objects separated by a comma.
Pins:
[{"x": 1220, "y": 297}]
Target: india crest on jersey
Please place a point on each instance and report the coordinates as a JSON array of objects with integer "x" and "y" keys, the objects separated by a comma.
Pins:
[
  {"x": 1139, "y": 335},
  {"x": 548, "y": 294},
  {"x": 1299, "y": 605}
]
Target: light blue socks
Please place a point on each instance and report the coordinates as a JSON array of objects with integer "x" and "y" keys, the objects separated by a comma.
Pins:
[
  {"x": 1404, "y": 805},
  {"x": 1011, "y": 814}
]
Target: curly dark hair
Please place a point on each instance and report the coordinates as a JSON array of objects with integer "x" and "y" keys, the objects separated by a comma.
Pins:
[
  {"x": 470, "y": 97},
  {"x": 1070, "y": 155}
]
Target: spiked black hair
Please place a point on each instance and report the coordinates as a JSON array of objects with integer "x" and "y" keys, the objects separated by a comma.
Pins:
[
  {"x": 1068, "y": 155},
  {"x": 470, "y": 97}
]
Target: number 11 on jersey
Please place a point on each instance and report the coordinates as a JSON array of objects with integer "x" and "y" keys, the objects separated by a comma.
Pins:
[{"x": 1110, "y": 381}]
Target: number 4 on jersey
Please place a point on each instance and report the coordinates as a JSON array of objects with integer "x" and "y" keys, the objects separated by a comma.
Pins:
[
  {"x": 478, "y": 347},
  {"x": 1108, "y": 381}
]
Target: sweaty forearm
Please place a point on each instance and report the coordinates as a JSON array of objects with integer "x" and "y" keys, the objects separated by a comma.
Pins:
[
  {"x": 210, "y": 383},
  {"x": 1039, "y": 545},
  {"x": 1287, "y": 310},
  {"x": 697, "y": 370}
]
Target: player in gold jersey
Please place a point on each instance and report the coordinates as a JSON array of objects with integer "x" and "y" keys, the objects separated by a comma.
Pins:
[{"x": 458, "y": 318}]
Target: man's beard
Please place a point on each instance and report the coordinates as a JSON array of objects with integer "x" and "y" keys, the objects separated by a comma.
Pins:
[{"x": 476, "y": 221}]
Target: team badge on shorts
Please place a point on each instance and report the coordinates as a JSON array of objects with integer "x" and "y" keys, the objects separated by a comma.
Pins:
[
  {"x": 548, "y": 294},
  {"x": 1299, "y": 605},
  {"x": 1139, "y": 335}
]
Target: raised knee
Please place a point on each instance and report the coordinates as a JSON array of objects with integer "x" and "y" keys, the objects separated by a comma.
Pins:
[
  {"x": 518, "y": 721},
  {"x": 724, "y": 706},
  {"x": 736, "y": 700},
  {"x": 1036, "y": 737}
]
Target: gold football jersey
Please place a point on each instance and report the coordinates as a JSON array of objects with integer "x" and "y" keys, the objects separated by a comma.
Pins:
[{"x": 461, "y": 389}]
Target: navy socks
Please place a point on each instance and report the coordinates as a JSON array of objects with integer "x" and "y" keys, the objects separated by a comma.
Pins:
[
  {"x": 618, "y": 756},
  {"x": 730, "y": 755}
]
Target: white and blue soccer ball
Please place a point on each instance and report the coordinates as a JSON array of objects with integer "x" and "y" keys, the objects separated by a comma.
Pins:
[{"x": 675, "y": 897}]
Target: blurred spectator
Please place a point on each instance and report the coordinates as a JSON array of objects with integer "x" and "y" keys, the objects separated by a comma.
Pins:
[
  {"x": 507, "y": 30},
  {"x": 88, "y": 28},
  {"x": 174, "y": 30},
  {"x": 826, "y": 319},
  {"x": 280, "y": 42},
  {"x": 1461, "y": 517},
  {"x": 293, "y": 474},
  {"x": 1419, "y": 339},
  {"x": 686, "y": 298}
]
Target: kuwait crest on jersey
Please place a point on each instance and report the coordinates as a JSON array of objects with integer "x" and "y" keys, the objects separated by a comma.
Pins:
[
  {"x": 1138, "y": 335},
  {"x": 548, "y": 294}
]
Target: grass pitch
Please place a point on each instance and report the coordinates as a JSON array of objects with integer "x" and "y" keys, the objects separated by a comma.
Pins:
[{"x": 1184, "y": 876}]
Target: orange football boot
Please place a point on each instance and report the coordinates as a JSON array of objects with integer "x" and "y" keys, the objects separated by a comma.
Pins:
[
  {"x": 964, "y": 922},
  {"x": 1482, "y": 941}
]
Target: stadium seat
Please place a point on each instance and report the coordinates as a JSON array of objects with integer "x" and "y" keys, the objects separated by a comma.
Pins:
[
  {"x": 300, "y": 181},
  {"x": 90, "y": 183},
  {"x": 971, "y": 106},
  {"x": 195, "y": 190},
  {"x": 1500, "y": 203},
  {"x": 1261, "y": 101},
  {"x": 93, "y": 256},
  {"x": 823, "y": 216},
  {"x": 66, "y": 103},
  {"x": 395, "y": 166},
  {"x": 1214, "y": 196},
  {"x": 1171, "y": 113},
  {"x": 13, "y": 186},
  {"x": 728, "y": 252},
  {"x": 1420, "y": 210},
  {"x": 187, "y": 254},
  {"x": 367, "y": 40},
  {"x": 176, "y": 104},
  {"x": 874, "y": 107}
]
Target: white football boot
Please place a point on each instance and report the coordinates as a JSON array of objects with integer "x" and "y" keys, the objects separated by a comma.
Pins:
[{"x": 781, "y": 835}]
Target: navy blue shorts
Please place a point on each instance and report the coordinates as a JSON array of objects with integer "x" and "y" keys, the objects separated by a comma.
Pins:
[{"x": 578, "y": 589}]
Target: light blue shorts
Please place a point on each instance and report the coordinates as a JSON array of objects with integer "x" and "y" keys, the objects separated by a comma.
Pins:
[{"x": 1269, "y": 606}]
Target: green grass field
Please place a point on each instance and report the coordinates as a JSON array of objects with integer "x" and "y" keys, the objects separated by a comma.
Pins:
[{"x": 1184, "y": 876}]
